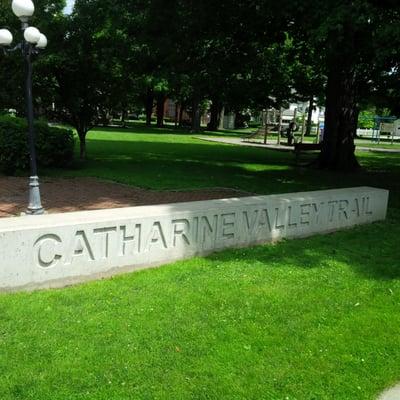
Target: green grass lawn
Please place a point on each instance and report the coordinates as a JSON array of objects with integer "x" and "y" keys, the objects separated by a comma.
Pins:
[
  {"x": 159, "y": 159},
  {"x": 315, "y": 318}
]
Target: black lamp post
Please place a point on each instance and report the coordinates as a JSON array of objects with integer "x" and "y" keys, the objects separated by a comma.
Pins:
[{"x": 32, "y": 42}]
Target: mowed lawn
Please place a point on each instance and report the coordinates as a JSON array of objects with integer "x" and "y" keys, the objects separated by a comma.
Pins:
[
  {"x": 159, "y": 159},
  {"x": 316, "y": 318}
]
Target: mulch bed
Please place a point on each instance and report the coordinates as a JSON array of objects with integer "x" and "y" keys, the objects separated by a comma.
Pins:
[{"x": 77, "y": 194}]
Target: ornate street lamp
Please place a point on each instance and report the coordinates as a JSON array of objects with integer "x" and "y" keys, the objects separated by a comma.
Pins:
[{"x": 32, "y": 42}]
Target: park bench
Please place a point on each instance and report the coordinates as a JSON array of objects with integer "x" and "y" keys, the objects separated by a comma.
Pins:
[{"x": 304, "y": 147}]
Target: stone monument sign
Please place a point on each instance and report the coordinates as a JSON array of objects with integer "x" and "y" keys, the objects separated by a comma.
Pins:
[{"x": 58, "y": 249}]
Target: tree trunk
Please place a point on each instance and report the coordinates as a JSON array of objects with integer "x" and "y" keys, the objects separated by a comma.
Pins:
[
  {"x": 160, "y": 110},
  {"x": 82, "y": 143},
  {"x": 341, "y": 114},
  {"x": 176, "y": 115},
  {"x": 105, "y": 117},
  {"x": 309, "y": 116},
  {"x": 196, "y": 115},
  {"x": 221, "y": 118},
  {"x": 280, "y": 125},
  {"x": 238, "y": 120},
  {"x": 123, "y": 118},
  {"x": 181, "y": 111},
  {"x": 215, "y": 111},
  {"x": 341, "y": 118},
  {"x": 149, "y": 106}
]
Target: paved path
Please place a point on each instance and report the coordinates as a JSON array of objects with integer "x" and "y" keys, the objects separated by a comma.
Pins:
[
  {"x": 240, "y": 142},
  {"x": 77, "y": 194},
  {"x": 378, "y": 150},
  {"x": 391, "y": 394}
]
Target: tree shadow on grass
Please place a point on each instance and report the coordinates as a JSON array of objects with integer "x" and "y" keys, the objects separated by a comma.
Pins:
[
  {"x": 177, "y": 165},
  {"x": 140, "y": 128},
  {"x": 369, "y": 250}
]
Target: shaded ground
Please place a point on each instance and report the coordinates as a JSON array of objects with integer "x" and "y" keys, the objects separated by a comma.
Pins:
[{"x": 75, "y": 194}]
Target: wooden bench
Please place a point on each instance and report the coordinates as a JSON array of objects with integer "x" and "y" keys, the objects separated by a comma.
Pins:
[{"x": 304, "y": 147}]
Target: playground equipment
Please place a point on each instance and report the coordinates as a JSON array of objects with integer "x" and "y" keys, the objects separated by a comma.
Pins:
[
  {"x": 383, "y": 128},
  {"x": 273, "y": 121},
  {"x": 270, "y": 121},
  {"x": 284, "y": 122},
  {"x": 290, "y": 121}
]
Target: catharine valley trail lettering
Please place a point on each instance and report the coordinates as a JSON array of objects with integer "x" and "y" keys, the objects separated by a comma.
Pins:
[
  {"x": 195, "y": 232},
  {"x": 55, "y": 250}
]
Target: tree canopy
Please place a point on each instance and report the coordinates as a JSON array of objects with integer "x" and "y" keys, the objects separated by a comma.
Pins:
[{"x": 113, "y": 56}]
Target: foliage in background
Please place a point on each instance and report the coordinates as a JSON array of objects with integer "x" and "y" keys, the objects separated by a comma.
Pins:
[
  {"x": 110, "y": 57},
  {"x": 55, "y": 146},
  {"x": 366, "y": 119}
]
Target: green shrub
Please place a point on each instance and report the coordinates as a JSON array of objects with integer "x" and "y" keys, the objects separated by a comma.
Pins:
[{"x": 54, "y": 146}]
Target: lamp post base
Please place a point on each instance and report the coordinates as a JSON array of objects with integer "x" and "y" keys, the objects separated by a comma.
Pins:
[{"x": 35, "y": 204}]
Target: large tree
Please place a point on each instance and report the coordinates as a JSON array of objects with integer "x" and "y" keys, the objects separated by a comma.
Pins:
[
  {"x": 348, "y": 35},
  {"x": 88, "y": 67}
]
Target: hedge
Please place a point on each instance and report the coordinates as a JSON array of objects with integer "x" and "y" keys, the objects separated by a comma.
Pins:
[{"x": 54, "y": 146}]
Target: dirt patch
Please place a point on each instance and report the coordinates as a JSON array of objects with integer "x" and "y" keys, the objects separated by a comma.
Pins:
[{"x": 77, "y": 194}]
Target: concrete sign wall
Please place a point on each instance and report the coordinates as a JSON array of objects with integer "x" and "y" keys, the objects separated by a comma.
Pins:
[{"x": 54, "y": 250}]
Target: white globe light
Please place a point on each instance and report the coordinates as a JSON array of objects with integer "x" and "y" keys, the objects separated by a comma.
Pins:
[
  {"x": 32, "y": 35},
  {"x": 23, "y": 8},
  {"x": 6, "y": 37},
  {"x": 42, "y": 43}
]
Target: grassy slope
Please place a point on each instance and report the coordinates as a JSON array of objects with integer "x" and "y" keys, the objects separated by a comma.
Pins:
[{"x": 307, "y": 319}]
